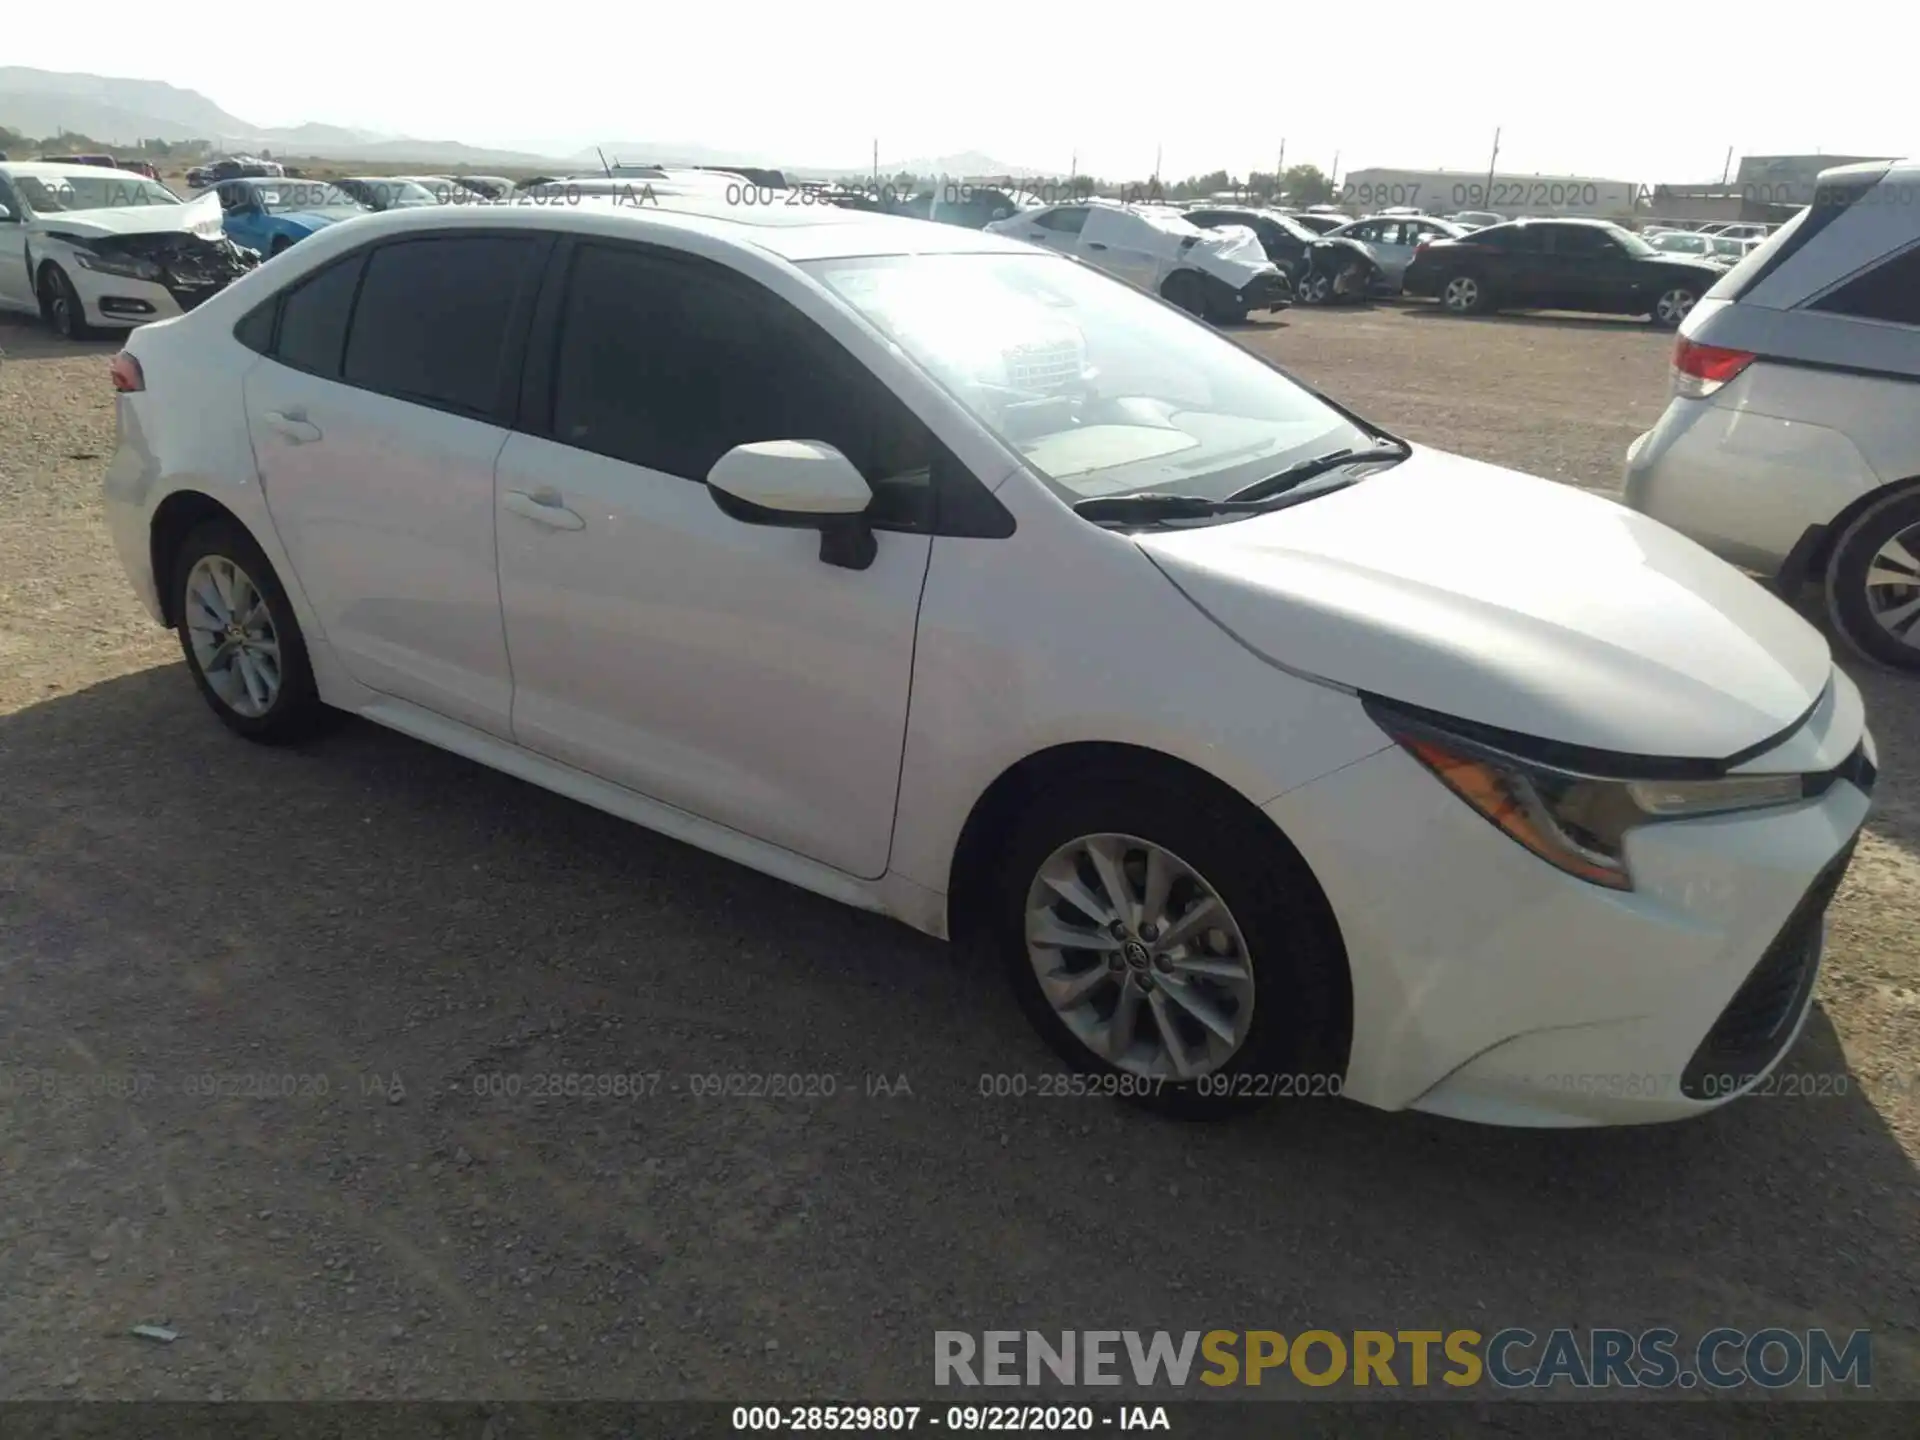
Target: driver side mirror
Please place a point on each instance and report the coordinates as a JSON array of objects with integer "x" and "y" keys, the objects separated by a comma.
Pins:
[{"x": 800, "y": 485}]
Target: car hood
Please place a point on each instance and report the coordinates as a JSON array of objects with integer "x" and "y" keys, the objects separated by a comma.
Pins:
[
  {"x": 1518, "y": 603},
  {"x": 196, "y": 217},
  {"x": 1707, "y": 270}
]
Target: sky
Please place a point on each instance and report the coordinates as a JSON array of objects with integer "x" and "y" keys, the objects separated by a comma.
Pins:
[{"x": 1609, "y": 90}]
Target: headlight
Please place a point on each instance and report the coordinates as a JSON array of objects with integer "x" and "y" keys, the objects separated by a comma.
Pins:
[
  {"x": 1576, "y": 822},
  {"x": 133, "y": 267}
]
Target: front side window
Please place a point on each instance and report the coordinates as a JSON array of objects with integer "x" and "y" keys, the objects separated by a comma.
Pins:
[
  {"x": 431, "y": 321},
  {"x": 669, "y": 364},
  {"x": 1102, "y": 389}
]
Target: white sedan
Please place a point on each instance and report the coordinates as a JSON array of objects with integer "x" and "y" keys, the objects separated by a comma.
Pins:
[
  {"x": 950, "y": 579},
  {"x": 91, "y": 248}
]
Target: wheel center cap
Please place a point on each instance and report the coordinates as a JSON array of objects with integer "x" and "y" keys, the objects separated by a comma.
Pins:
[{"x": 1136, "y": 955}]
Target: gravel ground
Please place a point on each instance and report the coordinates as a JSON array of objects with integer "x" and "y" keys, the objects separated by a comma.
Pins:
[{"x": 415, "y": 936}]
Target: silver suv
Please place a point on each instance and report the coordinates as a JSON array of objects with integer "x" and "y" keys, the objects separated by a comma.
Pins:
[{"x": 1792, "y": 444}]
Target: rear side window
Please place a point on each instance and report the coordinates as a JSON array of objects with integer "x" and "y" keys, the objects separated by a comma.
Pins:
[
  {"x": 669, "y": 365},
  {"x": 1068, "y": 219},
  {"x": 313, "y": 318},
  {"x": 431, "y": 322},
  {"x": 1889, "y": 291}
]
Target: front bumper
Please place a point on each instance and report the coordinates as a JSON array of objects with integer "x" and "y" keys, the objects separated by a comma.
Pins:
[
  {"x": 1269, "y": 290},
  {"x": 1489, "y": 986},
  {"x": 111, "y": 300}
]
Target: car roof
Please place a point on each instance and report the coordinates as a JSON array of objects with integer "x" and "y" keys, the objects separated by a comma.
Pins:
[
  {"x": 792, "y": 233},
  {"x": 44, "y": 169}
]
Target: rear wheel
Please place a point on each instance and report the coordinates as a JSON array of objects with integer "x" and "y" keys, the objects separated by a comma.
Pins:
[
  {"x": 60, "y": 304},
  {"x": 1179, "y": 949},
  {"x": 1672, "y": 305},
  {"x": 1315, "y": 288},
  {"x": 1873, "y": 582},
  {"x": 240, "y": 638},
  {"x": 1465, "y": 295},
  {"x": 1183, "y": 288},
  {"x": 281, "y": 244}
]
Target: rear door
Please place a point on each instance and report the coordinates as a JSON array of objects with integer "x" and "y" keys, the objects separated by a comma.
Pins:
[
  {"x": 16, "y": 286},
  {"x": 375, "y": 420},
  {"x": 1585, "y": 269},
  {"x": 1057, "y": 229}
]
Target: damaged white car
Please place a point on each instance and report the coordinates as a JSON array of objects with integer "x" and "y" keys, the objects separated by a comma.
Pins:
[
  {"x": 1220, "y": 274},
  {"x": 96, "y": 249}
]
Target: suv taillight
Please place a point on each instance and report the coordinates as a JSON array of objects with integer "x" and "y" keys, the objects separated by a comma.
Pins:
[
  {"x": 126, "y": 372},
  {"x": 1699, "y": 370}
]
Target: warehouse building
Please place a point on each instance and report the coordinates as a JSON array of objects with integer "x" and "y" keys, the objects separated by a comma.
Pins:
[
  {"x": 1440, "y": 192},
  {"x": 1766, "y": 187}
]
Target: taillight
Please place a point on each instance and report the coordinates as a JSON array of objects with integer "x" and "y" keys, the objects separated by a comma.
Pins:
[
  {"x": 126, "y": 372},
  {"x": 1699, "y": 370}
]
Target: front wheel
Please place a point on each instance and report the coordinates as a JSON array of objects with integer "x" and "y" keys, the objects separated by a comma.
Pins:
[
  {"x": 240, "y": 637},
  {"x": 1183, "y": 288},
  {"x": 1315, "y": 288},
  {"x": 1672, "y": 305},
  {"x": 60, "y": 304},
  {"x": 1179, "y": 949},
  {"x": 1873, "y": 582}
]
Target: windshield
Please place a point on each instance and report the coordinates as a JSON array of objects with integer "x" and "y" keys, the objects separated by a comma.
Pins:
[
  {"x": 284, "y": 199},
  {"x": 1682, "y": 244},
  {"x": 1629, "y": 241},
  {"x": 90, "y": 190},
  {"x": 1101, "y": 388}
]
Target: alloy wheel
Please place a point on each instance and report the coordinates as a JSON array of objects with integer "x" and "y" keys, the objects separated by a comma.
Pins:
[
  {"x": 1672, "y": 307},
  {"x": 1139, "y": 957},
  {"x": 231, "y": 629},
  {"x": 1893, "y": 586},
  {"x": 1462, "y": 294}
]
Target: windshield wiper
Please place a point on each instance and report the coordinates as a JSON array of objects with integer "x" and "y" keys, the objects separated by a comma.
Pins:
[
  {"x": 1302, "y": 471},
  {"x": 1150, "y": 505}
]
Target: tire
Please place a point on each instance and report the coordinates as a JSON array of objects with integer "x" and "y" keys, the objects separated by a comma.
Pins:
[
  {"x": 1226, "y": 314},
  {"x": 1671, "y": 305},
  {"x": 60, "y": 305},
  {"x": 1465, "y": 295},
  {"x": 274, "y": 663},
  {"x": 1314, "y": 289},
  {"x": 281, "y": 244},
  {"x": 1183, "y": 288},
  {"x": 1288, "y": 1019},
  {"x": 1871, "y": 608}
]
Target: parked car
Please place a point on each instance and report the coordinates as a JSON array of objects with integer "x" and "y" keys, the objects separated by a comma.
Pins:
[
  {"x": 873, "y": 520},
  {"x": 1319, "y": 221},
  {"x": 101, "y": 162},
  {"x": 1476, "y": 219},
  {"x": 1679, "y": 242},
  {"x": 1390, "y": 241},
  {"x": 1559, "y": 265},
  {"x": 269, "y": 215},
  {"x": 1792, "y": 443},
  {"x": 1220, "y": 274},
  {"x": 1727, "y": 249},
  {"x": 201, "y": 177},
  {"x": 93, "y": 249},
  {"x": 1284, "y": 239},
  {"x": 487, "y": 187},
  {"x": 388, "y": 192}
]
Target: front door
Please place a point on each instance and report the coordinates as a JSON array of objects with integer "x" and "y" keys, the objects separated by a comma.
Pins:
[{"x": 717, "y": 666}]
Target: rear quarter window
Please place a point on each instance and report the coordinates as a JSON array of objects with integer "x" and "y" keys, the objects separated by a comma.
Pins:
[{"x": 1888, "y": 291}]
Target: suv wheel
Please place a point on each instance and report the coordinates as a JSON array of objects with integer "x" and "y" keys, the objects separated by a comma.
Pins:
[
  {"x": 60, "y": 304},
  {"x": 1171, "y": 946},
  {"x": 1672, "y": 306},
  {"x": 240, "y": 637},
  {"x": 1873, "y": 582}
]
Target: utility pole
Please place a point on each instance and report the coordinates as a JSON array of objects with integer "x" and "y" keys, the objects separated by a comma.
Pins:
[
  {"x": 1157, "y": 150},
  {"x": 1492, "y": 161},
  {"x": 1333, "y": 180},
  {"x": 1279, "y": 169},
  {"x": 876, "y": 163},
  {"x": 1727, "y": 169}
]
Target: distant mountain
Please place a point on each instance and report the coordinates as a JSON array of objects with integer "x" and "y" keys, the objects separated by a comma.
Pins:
[
  {"x": 656, "y": 152},
  {"x": 43, "y": 103}
]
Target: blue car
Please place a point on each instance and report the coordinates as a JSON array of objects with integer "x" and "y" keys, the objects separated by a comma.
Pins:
[{"x": 269, "y": 214}]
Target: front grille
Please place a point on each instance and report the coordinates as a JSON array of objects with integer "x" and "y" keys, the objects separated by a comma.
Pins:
[
  {"x": 1755, "y": 1025},
  {"x": 1043, "y": 366}
]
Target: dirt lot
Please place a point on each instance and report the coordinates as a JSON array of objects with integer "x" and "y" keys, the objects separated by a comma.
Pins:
[{"x": 177, "y": 904}]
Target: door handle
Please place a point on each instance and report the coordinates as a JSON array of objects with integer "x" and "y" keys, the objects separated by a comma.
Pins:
[
  {"x": 543, "y": 507},
  {"x": 1096, "y": 245},
  {"x": 1036, "y": 234},
  {"x": 293, "y": 426}
]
